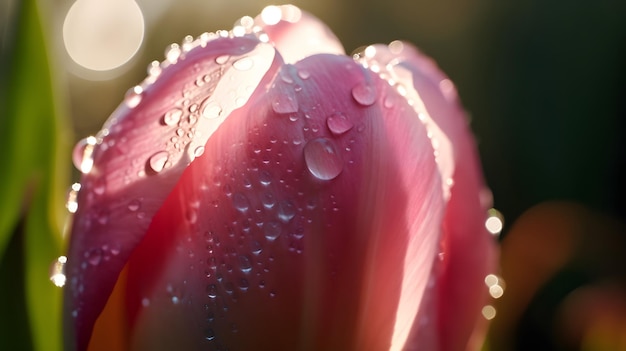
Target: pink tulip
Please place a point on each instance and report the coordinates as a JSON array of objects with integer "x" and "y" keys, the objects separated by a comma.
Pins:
[{"x": 260, "y": 190}]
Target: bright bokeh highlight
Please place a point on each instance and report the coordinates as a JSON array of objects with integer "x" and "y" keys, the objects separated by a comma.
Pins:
[{"x": 103, "y": 35}]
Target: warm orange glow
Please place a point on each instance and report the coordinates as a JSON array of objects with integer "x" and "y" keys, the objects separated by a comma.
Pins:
[{"x": 111, "y": 331}]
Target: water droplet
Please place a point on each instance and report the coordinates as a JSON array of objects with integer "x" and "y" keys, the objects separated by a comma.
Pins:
[
  {"x": 271, "y": 15},
  {"x": 322, "y": 159},
  {"x": 243, "y": 286},
  {"x": 154, "y": 68},
  {"x": 94, "y": 256},
  {"x": 268, "y": 200},
  {"x": 272, "y": 230},
  {"x": 265, "y": 178},
  {"x": 246, "y": 183},
  {"x": 240, "y": 201},
  {"x": 338, "y": 123},
  {"x": 198, "y": 151},
  {"x": 396, "y": 47},
  {"x": 286, "y": 210},
  {"x": 239, "y": 31},
  {"x": 133, "y": 96},
  {"x": 220, "y": 60},
  {"x": 211, "y": 291},
  {"x": 229, "y": 288},
  {"x": 494, "y": 222},
  {"x": 192, "y": 216},
  {"x": 304, "y": 74},
  {"x": 115, "y": 249},
  {"x": 187, "y": 43},
  {"x": 285, "y": 104},
  {"x": 388, "y": 103},
  {"x": 172, "y": 53},
  {"x": 134, "y": 205},
  {"x": 256, "y": 247},
  {"x": 489, "y": 312},
  {"x": 311, "y": 204},
  {"x": 57, "y": 271},
  {"x": 172, "y": 117},
  {"x": 212, "y": 111},
  {"x": 364, "y": 94},
  {"x": 245, "y": 264},
  {"x": 243, "y": 64},
  {"x": 158, "y": 160},
  {"x": 209, "y": 334},
  {"x": 227, "y": 189},
  {"x": 286, "y": 77},
  {"x": 298, "y": 233},
  {"x": 72, "y": 196},
  {"x": 82, "y": 156},
  {"x": 99, "y": 186}
]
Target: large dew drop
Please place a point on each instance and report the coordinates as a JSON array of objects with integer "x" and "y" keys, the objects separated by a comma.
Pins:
[
  {"x": 322, "y": 159},
  {"x": 211, "y": 111},
  {"x": 83, "y": 154},
  {"x": 243, "y": 64},
  {"x": 220, "y": 60},
  {"x": 364, "y": 94},
  {"x": 172, "y": 117},
  {"x": 157, "y": 161}
]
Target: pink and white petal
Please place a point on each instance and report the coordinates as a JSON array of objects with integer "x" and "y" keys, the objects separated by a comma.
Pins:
[
  {"x": 262, "y": 237},
  {"x": 468, "y": 251},
  {"x": 462, "y": 292},
  {"x": 141, "y": 153},
  {"x": 297, "y": 34}
]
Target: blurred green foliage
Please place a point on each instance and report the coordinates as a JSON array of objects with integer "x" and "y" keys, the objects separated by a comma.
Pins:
[{"x": 32, "y": 139}]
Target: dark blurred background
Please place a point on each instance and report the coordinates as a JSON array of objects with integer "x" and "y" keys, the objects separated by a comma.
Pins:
[{"x": 544, "y": 81}]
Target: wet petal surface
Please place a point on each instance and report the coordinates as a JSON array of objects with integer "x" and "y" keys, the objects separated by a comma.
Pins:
[
  {"x": 137, "y": 158},
  {"x": 273, "y": 251}
]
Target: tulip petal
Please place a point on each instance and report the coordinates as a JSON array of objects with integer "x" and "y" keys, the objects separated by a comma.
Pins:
[
  {"x": 291, "y": 231},
  {"x": 459, "y": 290},
  {"x": 135, "y": 161},
  {"x": 297, "y": 34}
]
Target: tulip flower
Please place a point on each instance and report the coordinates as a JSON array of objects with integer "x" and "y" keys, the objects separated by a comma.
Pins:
[{"x": 261, "y": 190}]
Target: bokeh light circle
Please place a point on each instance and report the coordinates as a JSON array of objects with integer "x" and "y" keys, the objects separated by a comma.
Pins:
[{"x": 103, "y": 35}]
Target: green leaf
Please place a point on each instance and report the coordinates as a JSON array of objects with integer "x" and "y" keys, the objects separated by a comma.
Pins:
[{"x": 32, "y": 182}]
